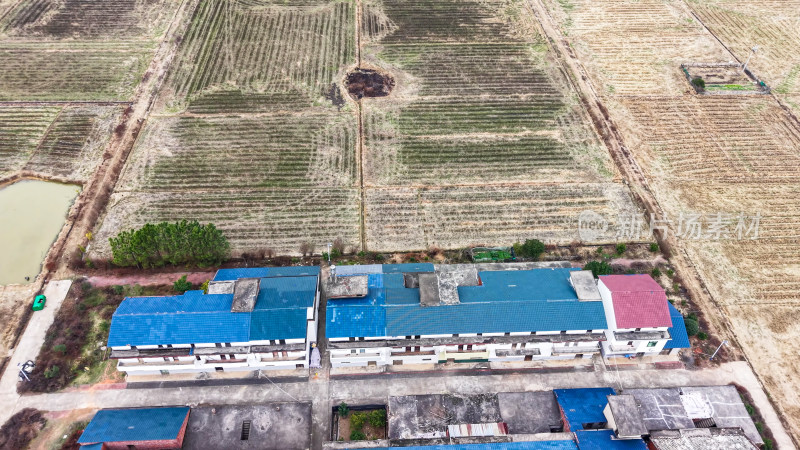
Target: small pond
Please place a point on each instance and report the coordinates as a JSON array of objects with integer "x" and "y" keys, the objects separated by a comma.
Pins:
[{"x": 32, "y": 213}]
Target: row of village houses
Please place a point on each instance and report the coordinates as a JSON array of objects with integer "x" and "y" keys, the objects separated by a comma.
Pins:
[
  {"x": 267, "y": 318},
  {"x": 679, "y": 418}
]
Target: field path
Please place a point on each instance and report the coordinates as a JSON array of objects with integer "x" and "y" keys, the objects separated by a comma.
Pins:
[
  {"x": 94, "y": 197},
  {"x": 157, "y": 279}
]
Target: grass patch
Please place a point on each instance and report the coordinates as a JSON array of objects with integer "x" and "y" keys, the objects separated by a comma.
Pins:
[{"x": 72, "y": 352}]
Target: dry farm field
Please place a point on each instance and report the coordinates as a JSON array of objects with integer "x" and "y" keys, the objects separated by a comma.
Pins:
[
  {"x": 713, "y": 157},
  {"x": 63, "y": 143},
  {"x": 772, "y": 26},
  {"x": 634, "y": 47},
  {"x": 480, "y": 140},
  {"x": 78, "y": 49}
]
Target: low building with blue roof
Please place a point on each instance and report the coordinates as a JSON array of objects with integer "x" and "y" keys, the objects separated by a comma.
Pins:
[
  {"x": 423, "y": 314},
  {"x": 162, "y": 428},
  {"x": 606, "y": 440},
  {"x": 265, "y": 319},
  {"x": 583, "y": 409}
]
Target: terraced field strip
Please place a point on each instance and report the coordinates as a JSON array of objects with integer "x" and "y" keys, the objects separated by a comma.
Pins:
[
  {"x": 462, "y": 216},
  {"x": 720, "y": 138},
  {"x": 21, "y": 130},
  {"x": 482, "y": 141},
  {"x": 312, "y": 149},
  {"x": 634, "y": 48},
  {"x": 252, "y": 219},
  {"x": 65, "y": 70},
  {"x": 87, "y": 18},
  {"x": 772, "y": 25},
  {"x": 243, "y": 131},
  {"x": 265, "y": 46},
  {"x": 73, "y": 146}
]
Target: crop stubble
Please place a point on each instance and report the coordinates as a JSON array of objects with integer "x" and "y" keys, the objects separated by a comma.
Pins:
[{"x": 713, "y": 154}]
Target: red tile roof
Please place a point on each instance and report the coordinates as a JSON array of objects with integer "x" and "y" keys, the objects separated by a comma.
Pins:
[{"x": 639, "y": 302}]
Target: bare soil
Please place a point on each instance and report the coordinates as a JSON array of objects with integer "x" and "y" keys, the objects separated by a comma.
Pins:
[
  {"x": 21, "y": 429},
  {"x": 368, "y": 83}
]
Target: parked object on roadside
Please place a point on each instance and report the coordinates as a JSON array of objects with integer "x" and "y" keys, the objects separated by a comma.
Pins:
[{"x": 38, "y": 302}]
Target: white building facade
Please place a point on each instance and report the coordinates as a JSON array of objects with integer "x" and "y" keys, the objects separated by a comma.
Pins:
[{"x": 265, "y": 319}]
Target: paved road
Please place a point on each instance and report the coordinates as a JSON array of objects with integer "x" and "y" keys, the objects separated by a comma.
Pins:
[
  {"x": 30, "y": 343},
  {"x": 324, "y": 393}
]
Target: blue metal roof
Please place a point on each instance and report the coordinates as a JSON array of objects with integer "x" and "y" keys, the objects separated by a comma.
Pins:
[
  {"x": 408, "y": 268},
  {"x": 191, "y": 301},
  {"x": 531, "y": 445},
  {"x": 280, "y": 312},
  {"x": 286, "y": 292},
  {"x": 540, "y": 285},
  {"x": 143, "y": 424},
  {"x": 355, "y": 321},
  {"x": 263, "y": 272},
  {"x": 605, "y": 440},
  {"x": 583, "y": 405},
  {"x": 98, "y": 446},
  {"x": 274, "y": 324},
  {"x": 498, "y": 317},
  {"x": 507, "y": 301},
  {"x": 179, "y": 328},
  {"x": 680, "y": 339}
]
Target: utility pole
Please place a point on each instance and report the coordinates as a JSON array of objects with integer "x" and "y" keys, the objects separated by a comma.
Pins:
[
  {"x": 754, "y": 49},
  {"x": 715, "y": 351}
]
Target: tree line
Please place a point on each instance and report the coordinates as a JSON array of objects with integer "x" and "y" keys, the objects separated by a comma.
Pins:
[{"x": 167, "y": 243}]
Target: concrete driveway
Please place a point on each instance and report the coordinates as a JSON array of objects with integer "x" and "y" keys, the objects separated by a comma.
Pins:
[{"x": 30, "y": 344}]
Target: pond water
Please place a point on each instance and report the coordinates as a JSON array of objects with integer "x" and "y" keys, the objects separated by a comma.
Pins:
[{"x": 32, "y": 213}]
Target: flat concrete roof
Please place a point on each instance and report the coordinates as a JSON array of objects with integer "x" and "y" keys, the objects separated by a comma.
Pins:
[
  {"x": 627, "y": 416},
  {"x": 245, "y": 293},
  {"x": 347, "y": 287},
  {"x": 274, "y": 426},
  {"x": 426, "y": 416},
  {"x": 220, "y": 287},
  {"x": 585, "y": 286},
  {"x": 701, "y": 439},
  {"x": 428, "y": 289},
  {"x": 529, "y": 412},
  {"x": 727, "y": 408},
  {"x": 661, "y": 409}
]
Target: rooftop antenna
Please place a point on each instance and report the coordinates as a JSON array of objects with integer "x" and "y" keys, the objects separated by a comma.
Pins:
[{"x": 754, "y": 49}]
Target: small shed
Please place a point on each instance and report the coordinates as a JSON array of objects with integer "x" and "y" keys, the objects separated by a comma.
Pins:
[
  {"x": 162, "y": 428},
  {"x": 624, "y": 417}
]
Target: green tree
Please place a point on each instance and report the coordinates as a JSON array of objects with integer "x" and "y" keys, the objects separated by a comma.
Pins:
[
  {"x": 531, "y": 248},
  {"x": 166, "y": 243},
  {"x": 699, "y": 83},
  {"x": 656, "y": 272},
  {"x": 182, "y": 285},
  {"x": 344, "y": 410},
  {"x": 621, "y": 249},
  {"x": 598, "y": 268},
  {"x": 377, "y": 418},
  {"x": 357, "y": 435},
  {"x": 692, "y": 327},
  {"x": 61, "y": 348},
  {"x": 51, "y": 372},
  {"x": 653, "y": 247}
]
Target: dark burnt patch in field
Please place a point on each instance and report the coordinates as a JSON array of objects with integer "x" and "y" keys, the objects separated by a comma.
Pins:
[
  {"x": 368, "y": 83},
  {"x": 334, "y": 95}
]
